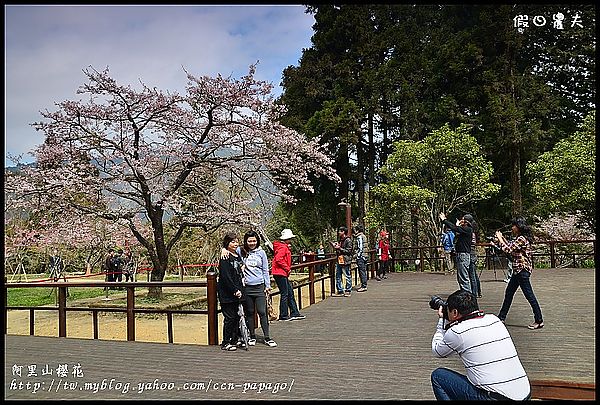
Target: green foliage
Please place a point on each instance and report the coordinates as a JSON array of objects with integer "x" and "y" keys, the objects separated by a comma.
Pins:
[
  {"x": 337, "y": 121},
  {"x": 442, "y": 172},
  {"x": 413, "y": 68},
  {"x": 563, "y": 179}
]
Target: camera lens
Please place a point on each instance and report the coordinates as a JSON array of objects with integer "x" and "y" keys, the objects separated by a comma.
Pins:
[{"x": 436, "y": 302}]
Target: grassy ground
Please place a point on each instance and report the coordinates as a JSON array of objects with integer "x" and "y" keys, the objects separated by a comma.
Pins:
[
  {"x": 30, "y": 297},
  {"x": 33, "y": 297}
]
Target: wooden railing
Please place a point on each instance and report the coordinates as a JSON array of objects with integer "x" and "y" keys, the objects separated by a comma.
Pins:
[
  {"x": 545, "y": 251},
  {"x": 211, "y": 292},
  {"x": 130, "y": 310}
]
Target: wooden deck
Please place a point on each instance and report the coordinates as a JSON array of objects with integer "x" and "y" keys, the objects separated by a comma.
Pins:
[{"x": 372, "y": 345}]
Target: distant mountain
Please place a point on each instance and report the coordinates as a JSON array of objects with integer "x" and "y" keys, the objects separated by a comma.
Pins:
[{"x": 15, "y": 169}]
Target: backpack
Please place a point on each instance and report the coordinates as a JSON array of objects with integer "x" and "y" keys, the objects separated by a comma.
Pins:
[{"x": 355, "y": 245}]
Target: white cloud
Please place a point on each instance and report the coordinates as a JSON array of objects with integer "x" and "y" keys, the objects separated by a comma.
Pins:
[{"x": 46, "y": 48}]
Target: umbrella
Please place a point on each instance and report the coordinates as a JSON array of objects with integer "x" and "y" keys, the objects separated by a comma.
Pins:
[{"x": 244, "y": 332}]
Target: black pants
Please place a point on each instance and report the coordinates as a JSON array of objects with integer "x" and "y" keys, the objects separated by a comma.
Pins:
[
  {"x": 230, "y": 322},
  {"x": 256, "y": 300},
  {"x": 383, "y": 268}
]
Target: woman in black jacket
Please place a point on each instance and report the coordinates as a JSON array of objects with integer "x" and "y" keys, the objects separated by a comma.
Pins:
[
  {"x": 230, "y": 290},
  {"x": 463, "y": 232}
]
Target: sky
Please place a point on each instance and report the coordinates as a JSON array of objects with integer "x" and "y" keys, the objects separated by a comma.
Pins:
[{"x": 48, "y": 46}]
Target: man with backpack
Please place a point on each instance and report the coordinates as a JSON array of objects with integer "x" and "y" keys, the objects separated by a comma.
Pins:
[
  {"x": 361, "y": 257},
  {"x": 448, "y": 246}
]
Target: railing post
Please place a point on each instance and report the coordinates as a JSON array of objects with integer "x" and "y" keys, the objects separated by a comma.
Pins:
[
  {"x": 62, "y": 311},
  {"x": 421, "y": 258},
  {"x": 5, "y": 306},
  {"x": 311, "y": 286},
  {"x": 130, "y": 313},
  {"x": 32, "y": 322},
  {"x": 95, "y": 322},
  {"x": 170, "y": 327},
  {"x": 211, "y": 294},
  {"x": 552, "y": 257},
  {"x": 332, "y": 276}
]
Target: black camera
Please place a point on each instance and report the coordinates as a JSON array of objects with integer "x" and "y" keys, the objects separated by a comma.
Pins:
[{"x": 437, "y": 302}]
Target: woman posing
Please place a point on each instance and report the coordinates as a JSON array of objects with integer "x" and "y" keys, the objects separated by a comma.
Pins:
[
  {"x": 258, "y": 285},
  {"x": 230, "y": 290},
  {"x": 520, "y": 250}
]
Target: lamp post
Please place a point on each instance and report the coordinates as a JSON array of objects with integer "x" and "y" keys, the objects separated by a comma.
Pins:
[{"x": 348, "y": 215}]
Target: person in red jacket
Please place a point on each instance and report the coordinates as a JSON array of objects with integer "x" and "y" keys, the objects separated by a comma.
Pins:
[
  {"x": 384, "y": 256},
  {"x": 281, "y": 268}
]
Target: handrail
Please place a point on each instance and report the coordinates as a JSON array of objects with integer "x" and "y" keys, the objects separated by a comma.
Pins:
[
  {"x": 210, "y": 284},
  {"x": 553, "y": 254}
]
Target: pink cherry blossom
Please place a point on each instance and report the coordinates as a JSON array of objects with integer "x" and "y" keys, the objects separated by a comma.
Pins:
[{"x": 139, "y": 158}]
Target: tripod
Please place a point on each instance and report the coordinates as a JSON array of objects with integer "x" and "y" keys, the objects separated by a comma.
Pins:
[
  {"x": 18, "y": 269},
  {"x": 56, "y": 273},
  {"x": 493, "y": 253}
]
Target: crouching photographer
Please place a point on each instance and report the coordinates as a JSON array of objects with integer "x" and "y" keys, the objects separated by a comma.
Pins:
[{"x": 494, "y": 371}]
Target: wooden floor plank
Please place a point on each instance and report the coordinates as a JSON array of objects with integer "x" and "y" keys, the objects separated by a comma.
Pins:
[{"x": 372, "y": 345}]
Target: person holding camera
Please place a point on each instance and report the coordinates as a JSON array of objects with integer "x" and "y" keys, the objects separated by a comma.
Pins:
[
  {"x": 493, "y": 368},
  {"x": 343, "y": 250},
  {"x": 522, "y": 266},
  {"x": 473, "y": 277},
  {"x": 463, "y": 232}
]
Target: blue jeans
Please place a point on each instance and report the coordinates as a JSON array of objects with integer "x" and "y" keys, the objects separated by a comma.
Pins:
[
  {"x": 361, "y": 262},
  {"x": 449, "y": 385},
  {"x": 520, "y": 279},
  {"x": 287, "y": 299},
  {"x": 338, "y": 277},
  {"x": 473, "y": 277},
  {"x": 463, "y": 262}
]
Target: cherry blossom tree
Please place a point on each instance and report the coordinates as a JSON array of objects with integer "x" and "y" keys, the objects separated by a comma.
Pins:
[{"x": 214, "y": 156}]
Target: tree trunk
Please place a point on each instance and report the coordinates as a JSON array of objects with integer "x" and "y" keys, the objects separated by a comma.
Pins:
[
  {"x": 360, "y": 180},
  {"x": 515, "y": 183},
  {"x": 343, "y": 170},
  {"x": 371, "y": 153},
  {"x": 415, "y": 227},
  {"x": 160, "y": 257}
]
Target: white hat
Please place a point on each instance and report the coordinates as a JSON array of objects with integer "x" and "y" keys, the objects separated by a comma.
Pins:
[{"x": 287, "y": 234}]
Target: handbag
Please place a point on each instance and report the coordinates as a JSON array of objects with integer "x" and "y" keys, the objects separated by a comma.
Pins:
[{"x": 270, "y": 309}]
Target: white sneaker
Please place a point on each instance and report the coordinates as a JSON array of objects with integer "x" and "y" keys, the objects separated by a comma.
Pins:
[
  {"x": 270, "y": 343},
  {"x": 252, "y": 342}
]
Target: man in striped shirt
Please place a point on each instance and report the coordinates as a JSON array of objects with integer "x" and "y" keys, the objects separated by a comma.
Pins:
[{"x": 494, "y": 371}]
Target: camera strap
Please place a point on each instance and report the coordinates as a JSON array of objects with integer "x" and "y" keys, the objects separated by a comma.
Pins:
[{"x": 474, "y": 314}]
